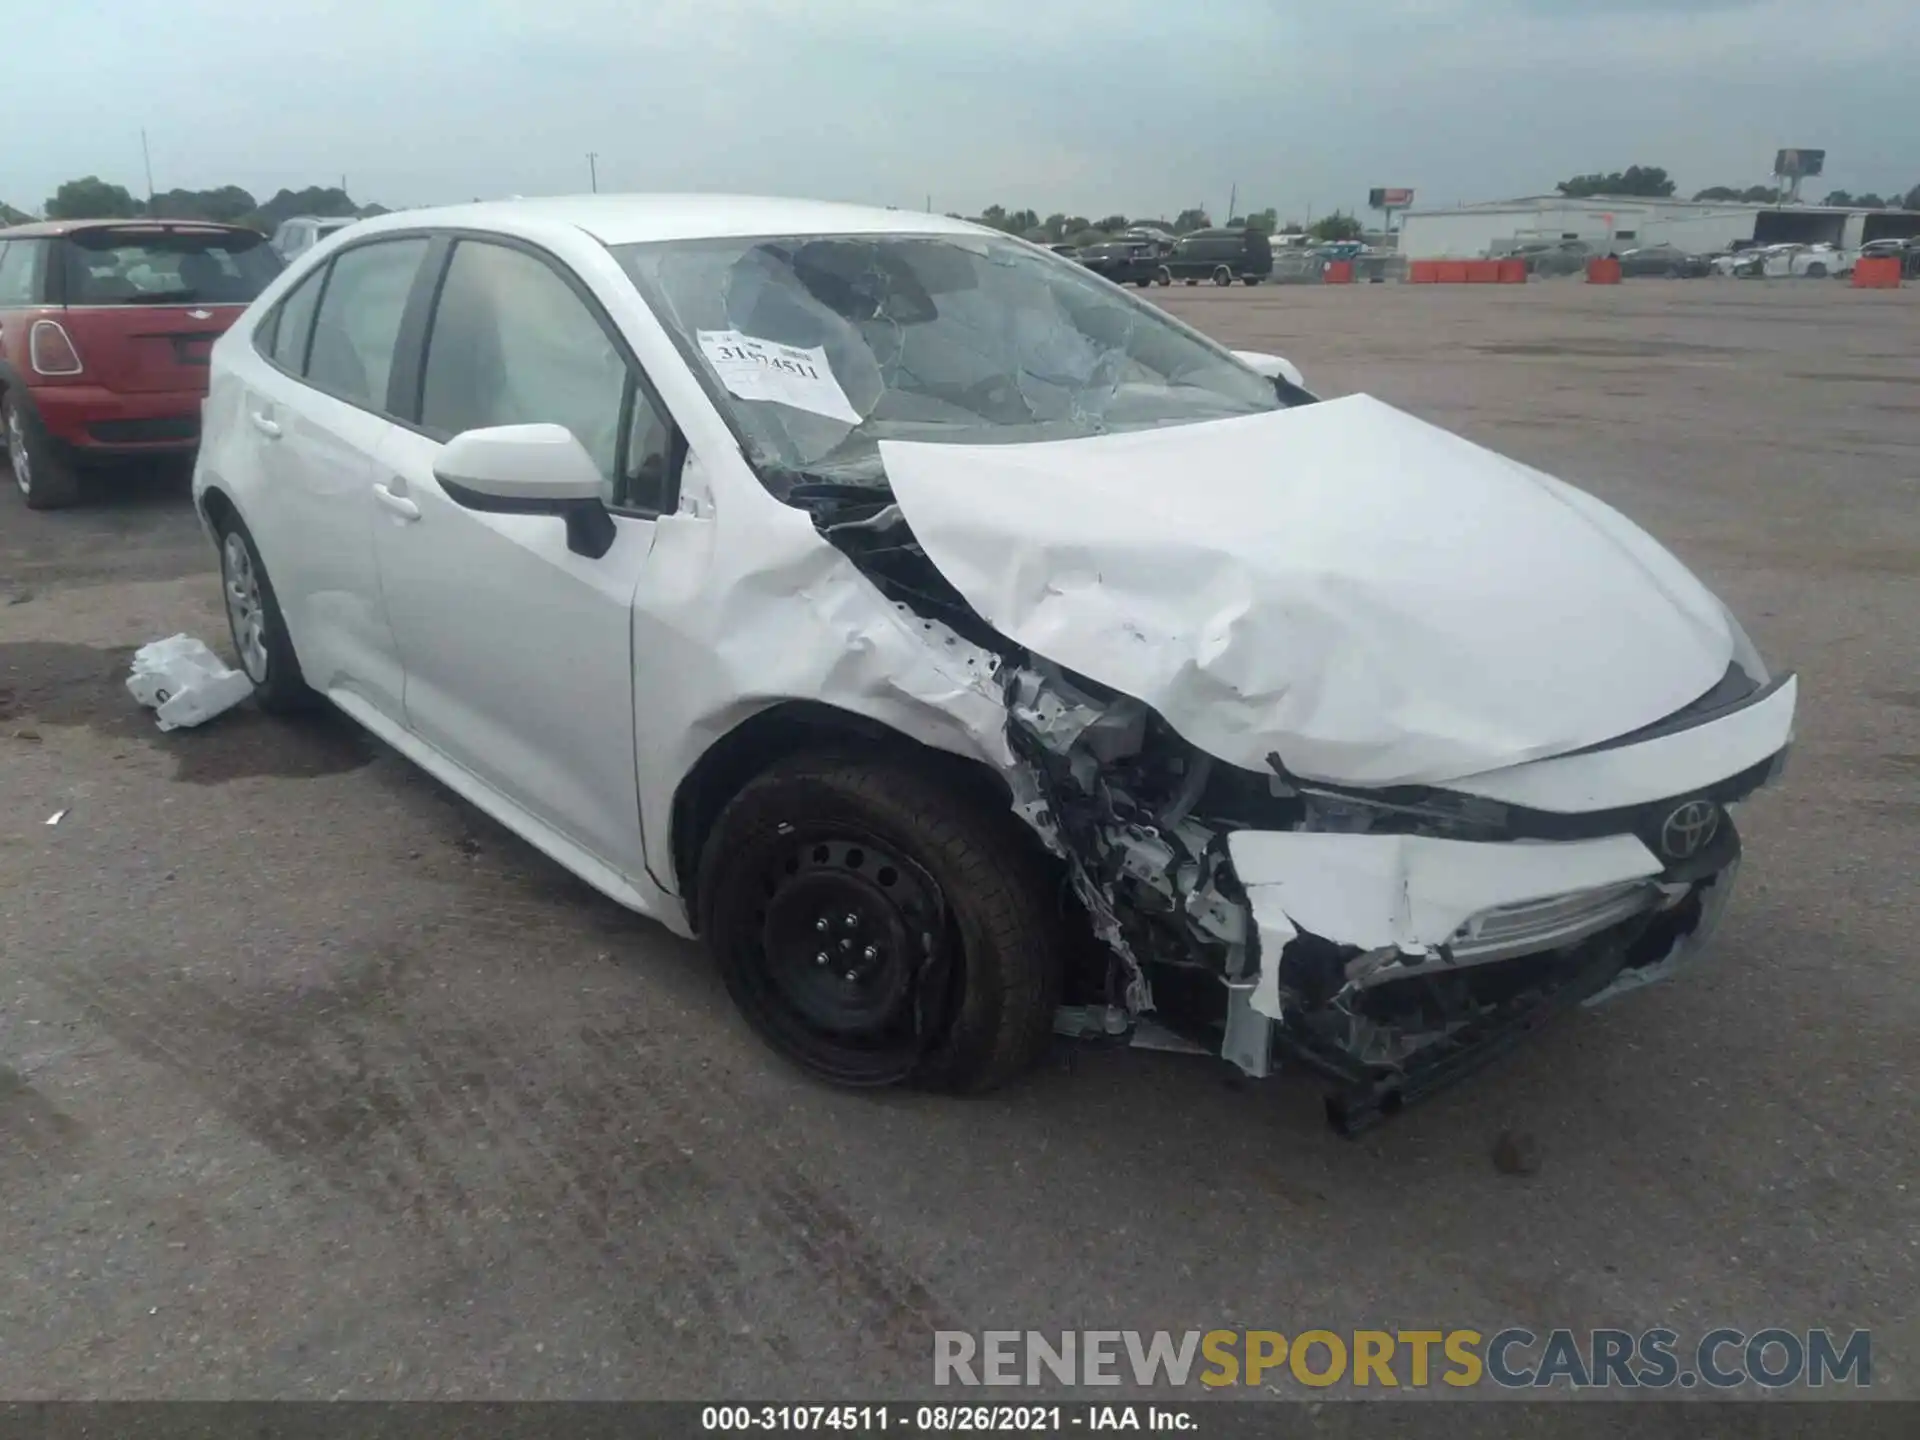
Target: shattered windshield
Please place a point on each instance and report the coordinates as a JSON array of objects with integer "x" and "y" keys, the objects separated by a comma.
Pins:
[{"x": 820, "y": 346}]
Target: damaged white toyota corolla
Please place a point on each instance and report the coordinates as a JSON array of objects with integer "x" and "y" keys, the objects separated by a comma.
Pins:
[{"x": 963, "y": 647}]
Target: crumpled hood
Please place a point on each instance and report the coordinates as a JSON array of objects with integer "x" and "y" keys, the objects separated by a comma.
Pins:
[{"x": 1375, "y": 599}]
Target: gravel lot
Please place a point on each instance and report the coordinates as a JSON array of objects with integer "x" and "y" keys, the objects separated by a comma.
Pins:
[{"x": 315, "y": 1082}]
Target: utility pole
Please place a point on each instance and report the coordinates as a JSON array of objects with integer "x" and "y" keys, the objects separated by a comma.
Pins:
[
  {"x": 1233, "y": 198},
  {"x": 593, "y": 170},
  {"x": 147, "y": 157}
]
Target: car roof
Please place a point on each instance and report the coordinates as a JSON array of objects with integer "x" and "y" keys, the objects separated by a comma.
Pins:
[
  {"x": 630, "y": 219},
  {"x": 67, "y": 227}
]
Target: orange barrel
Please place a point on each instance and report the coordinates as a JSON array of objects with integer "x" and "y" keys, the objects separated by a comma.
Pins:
[
  {"x": 1339, "y": 272},
  {"x": 1452, "y": 272},
  {"x": 1603, "y": 271},
  {"x": 1877, "y": 272},
  {"x": 1513, "y": 272}
]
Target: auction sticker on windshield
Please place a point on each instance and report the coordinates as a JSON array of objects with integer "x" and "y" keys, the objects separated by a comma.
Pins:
[{"x": 785, "y": 374}]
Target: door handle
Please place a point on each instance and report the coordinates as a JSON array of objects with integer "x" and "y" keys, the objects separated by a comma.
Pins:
[
  {"x": 398, "y": 504},
  {"x": 265, "y": 424}
]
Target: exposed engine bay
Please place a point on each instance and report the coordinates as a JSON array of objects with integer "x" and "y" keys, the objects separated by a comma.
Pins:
[{"x": 1387, "y": 940}]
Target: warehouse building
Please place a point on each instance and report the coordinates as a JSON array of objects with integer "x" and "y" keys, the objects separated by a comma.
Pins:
[{"x": 1622, "y": 222}]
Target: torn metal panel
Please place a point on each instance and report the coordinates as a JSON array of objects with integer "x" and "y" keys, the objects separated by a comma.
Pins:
[
  {"x": 1380, "y": 601},
  {"x": 751, "y": 607}
]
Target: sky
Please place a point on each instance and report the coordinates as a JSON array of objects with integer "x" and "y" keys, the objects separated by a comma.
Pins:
[{"x": 1089, "y": 107}]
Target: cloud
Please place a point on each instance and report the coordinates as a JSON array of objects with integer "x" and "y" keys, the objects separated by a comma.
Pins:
[{"x": 1084, "y": 105}]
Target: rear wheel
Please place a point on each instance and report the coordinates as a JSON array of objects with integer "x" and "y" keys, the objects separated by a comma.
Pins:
[
  {"x": 1816, "y": 271},
  {"x": 876, "y": 926},
  {"x": 1222, "y": 276},
  {"x": 46, "y": 480},
  {"x": 259, "y": 630},
  {"x": 1249, "y": 279},
  {"x": 1165, "y": 277}
]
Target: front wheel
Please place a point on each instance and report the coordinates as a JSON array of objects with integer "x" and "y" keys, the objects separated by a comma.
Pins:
[
  {"x": 1249, "y": 279},
  {"x": 1165, "y": 277},
  {"x": 876, "y": 926},
  {"x": 1816, "y": 271},
  {"x": 258, "y": 628},
  {"x": 46, "y": 480},
  {"x": 1223, "y": 276}
]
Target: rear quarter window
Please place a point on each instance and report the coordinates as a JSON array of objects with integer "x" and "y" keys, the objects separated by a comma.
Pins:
[
  {"x": 292, "y": 325},
  {"x": 20, "y": 271}
]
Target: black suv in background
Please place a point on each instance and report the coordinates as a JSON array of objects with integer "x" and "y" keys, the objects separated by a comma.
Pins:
[
  {"x": 1222, "y": 256},
  {"x": 1125, "y": 262}
]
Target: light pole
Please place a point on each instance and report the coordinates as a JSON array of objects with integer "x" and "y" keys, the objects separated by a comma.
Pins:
[{"x": 593, "y": 170}]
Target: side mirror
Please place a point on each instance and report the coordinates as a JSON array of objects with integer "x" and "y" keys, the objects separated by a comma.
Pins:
[
  {"x": 1272, "y": 366},
  {"x": 529, "y": 470}
]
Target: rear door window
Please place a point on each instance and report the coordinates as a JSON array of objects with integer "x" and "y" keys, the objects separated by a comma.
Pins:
[
  {"x": 149, "y": 265},
  {"x": 358, "y": 322}
]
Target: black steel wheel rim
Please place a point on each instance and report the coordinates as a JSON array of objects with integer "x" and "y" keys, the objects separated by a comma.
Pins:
[{"x": 850, "y": 940}]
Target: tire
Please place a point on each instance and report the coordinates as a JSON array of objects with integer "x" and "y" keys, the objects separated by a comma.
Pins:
[
  {"x": 1816, "y": 271},
  {"x": 1222, "y": 275},
  {"x": 259, "y": 630},
  {"x": 868, "y": 860},
  {"x": 1193, "y": 282},
  {"x": 1144, "y": 283},
  {"x": 1165, "y": 277},
  {"x": 46, "y": 480},
  {"x": 1249, "y": 279}
]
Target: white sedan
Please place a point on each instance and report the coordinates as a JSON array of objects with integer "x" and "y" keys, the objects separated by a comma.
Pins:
[{"x": 964, "y": 648}]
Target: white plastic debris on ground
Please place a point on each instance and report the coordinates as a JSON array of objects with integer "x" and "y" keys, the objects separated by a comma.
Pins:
[{"x": 184, "y": 682}]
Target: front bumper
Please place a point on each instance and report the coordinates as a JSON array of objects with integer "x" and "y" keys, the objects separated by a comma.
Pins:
[
  {"x": 1392, "y": 1024},
  {"x": 1394, "y": 964}
]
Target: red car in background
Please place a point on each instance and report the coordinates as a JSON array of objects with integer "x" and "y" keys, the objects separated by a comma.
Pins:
[{"x": 105, "y": 326}]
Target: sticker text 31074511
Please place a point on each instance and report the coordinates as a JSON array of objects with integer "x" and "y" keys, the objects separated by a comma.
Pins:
[{"x": 755, "y": 369}]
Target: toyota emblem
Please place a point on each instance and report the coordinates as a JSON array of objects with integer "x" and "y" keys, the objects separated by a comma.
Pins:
[{"x": 1689, "y": 828}]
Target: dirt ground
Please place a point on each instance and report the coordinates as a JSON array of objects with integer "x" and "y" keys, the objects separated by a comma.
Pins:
[{"x": 314, "y": 1082}]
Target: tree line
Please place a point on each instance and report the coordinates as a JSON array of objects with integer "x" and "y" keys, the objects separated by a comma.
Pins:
[
  {"x": 91, "y": 198},
  {"x": 1653, "y": 182}
]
